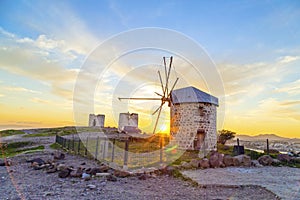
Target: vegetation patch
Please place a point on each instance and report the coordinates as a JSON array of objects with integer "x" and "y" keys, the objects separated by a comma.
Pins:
[
  {"x": 10, "y": 132},
  {"x": 56, "y": 146},
  {"x": 12, "y": 149},
  {"x": 47, "y": 132}
]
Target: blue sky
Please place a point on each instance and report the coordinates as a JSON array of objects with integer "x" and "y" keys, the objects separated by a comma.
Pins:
[{"x": 254, "y": 44}]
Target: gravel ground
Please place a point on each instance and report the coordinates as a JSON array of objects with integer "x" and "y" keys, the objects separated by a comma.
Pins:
[
  {"x": 20, "y": 181},
  {"x": 283, "y": 181}
]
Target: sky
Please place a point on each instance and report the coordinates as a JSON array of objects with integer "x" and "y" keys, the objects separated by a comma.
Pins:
[{"x": 46, "y": 45}]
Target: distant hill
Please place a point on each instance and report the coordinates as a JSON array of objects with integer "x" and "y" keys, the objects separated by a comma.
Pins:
[{"x": 271, "y": 137}]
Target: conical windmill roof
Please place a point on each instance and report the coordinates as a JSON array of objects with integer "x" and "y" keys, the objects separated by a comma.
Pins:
[{"x": 192, "y": 95}]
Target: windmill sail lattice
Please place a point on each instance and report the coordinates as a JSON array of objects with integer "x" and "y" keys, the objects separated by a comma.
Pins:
[{"x": 166, "y": 91}]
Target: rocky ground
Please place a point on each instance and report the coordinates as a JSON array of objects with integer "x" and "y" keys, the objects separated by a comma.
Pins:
[{"x": 21, "y": 181}]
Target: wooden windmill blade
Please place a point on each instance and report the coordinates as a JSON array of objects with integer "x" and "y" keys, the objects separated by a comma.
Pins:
[{"x": 165, "y": 97}]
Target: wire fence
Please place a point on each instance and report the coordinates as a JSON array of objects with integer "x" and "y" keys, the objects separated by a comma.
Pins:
[{"x": 126, "y": 152}]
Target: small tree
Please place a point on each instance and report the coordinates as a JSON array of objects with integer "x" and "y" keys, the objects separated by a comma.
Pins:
[{"x": 225, "y": 135}]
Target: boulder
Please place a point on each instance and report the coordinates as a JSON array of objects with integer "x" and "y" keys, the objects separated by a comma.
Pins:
[
  {"x": 170, "y": 170},
  {"x": 244, "y": 160},
  {"x": 38, "y": 161},
  {"x": 204, "y": 163},
  {"x": 86, "y": 176},
  {"x": 255, "y": 163},
  {"x": 111, "y": 178},
  {"x": 142, "y": 177},
  {"x": 195, "y": 163},
  {"x": 77, "y": 173},
  {"x": 102, "y": 174},
  {"x": 284, "y": 157},
  {"x": 265, "y": 160},
  {"x": 51, "y": 170},
  {"x": 296, "y": 159},
  {"x": 186, "y": 165},
  {"x": 5, "y": 162},
  {"x": 58, "y": 155},
  {"x": 228, "y": 161},
  {"x": 96, "y": 170},
  {"x": 64, "y": 173},
  {"x": 236, "y": 162},
  {"x": 216, "y": 160},
  {"x": 61, "y": 167},
  {"x": 121, "y": 174},
  {"x": 91, "y": 187}
]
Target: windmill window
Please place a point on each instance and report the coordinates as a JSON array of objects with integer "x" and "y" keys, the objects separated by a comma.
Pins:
[{"x": 201, "y": 111}]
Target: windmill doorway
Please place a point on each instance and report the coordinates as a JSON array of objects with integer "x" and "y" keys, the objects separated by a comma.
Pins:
[{"x": 199, "y": 139}]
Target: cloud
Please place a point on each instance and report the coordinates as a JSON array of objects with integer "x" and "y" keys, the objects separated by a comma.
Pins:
[
  {"x": 272, "y": 108},
  {"x": 288, "y": 59},
  {"x": 250, "y": 80},
  {"x": 19, "y": 89},
  {"x": 41, "y": 59},
  {"x": 63, "y": 105},
  {"x": 292, "y": 88}
]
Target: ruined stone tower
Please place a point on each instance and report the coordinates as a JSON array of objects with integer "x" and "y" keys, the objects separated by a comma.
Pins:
[
  {"x": 194, "y": 119},
  {"x": 96, "y": 120},
  {"x": 128, "y": 119}
]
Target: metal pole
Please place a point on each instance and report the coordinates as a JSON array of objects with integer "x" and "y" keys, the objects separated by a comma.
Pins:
[
  {"x": 238, "y": 145},
  {"x": 268, "y": 150}
]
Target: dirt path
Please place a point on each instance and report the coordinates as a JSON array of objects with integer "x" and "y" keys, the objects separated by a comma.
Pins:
[
  {"x": 22, "y": 182},
  {"x": 283, "y": 181}
]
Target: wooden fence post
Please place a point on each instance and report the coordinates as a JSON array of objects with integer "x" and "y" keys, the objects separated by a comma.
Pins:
[
  {"x": 104, "y": 149},
  {"x": 161, "y": 150},
  {"x": 126, "y": 153},
  {"x": 86, "y": 145},
  {"x": 113, "y": 151},
  {"x": 78, "y": 149}
]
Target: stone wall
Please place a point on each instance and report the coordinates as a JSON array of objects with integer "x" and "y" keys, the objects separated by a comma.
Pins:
[{"x": 189, "y": 118}]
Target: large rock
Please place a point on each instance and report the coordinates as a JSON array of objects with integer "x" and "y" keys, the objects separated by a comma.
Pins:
[
  {"x": 95, "y": 170},
  {"x": 64, "y": 173},
  {"x": 244, "y": 160},
  {"x": 284, "y": 157},
  {"x": 77, "y": 173},
  {"x": 58, "y": 155},
  {"x": 228, "y": 161},
  {"x": 216, "y": 160},
  {"x": 111, "y": 178},
  {"x": 38, "y": 161},
  {"x": 170, "y": 170},
  {"x": 195, "y": 163},
  {"x": 265, "y": 160},
  {"x": 5, "y": 162},
  {"x": 296, "y": 159},
  {"x": 204, "y": 163},
  {"x": 186, "y": 165},
  {"x": 121, "y": 173},
  {"x": 255, "y": 163}
]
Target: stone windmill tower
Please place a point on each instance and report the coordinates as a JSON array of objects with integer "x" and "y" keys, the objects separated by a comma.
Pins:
[
  {"x": 194, "y": 119},
  {"x": 193, "y": 113}
]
